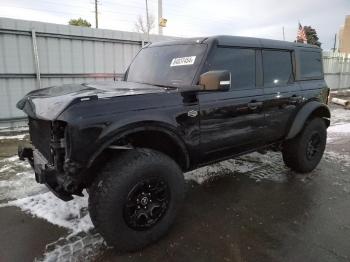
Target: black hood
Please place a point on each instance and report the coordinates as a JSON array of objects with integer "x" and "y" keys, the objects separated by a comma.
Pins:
[{"x": 49, "y": 103}]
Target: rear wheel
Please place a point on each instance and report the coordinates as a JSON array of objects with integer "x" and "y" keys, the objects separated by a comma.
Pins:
[
  {"x": 304, "y": 152},
  {"x": 135, "y": 199}
]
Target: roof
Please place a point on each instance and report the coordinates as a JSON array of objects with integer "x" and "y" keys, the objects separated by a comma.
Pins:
[{"x": 241, "y": 41}]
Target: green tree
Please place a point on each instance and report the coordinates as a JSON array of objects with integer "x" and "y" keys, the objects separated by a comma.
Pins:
[
  {"x": 79, "y": 22},
  {"x": 311, "y": 36}
]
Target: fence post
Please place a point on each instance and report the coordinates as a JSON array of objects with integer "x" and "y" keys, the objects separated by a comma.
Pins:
[{"x": 36, "y": 59}]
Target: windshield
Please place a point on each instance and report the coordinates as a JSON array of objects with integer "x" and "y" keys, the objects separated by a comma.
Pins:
[{"x": 171, "y": 65}]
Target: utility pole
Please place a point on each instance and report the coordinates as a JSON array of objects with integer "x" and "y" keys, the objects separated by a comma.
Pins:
[
  {"x": 284, "y": 38},
  {"x": 160, "y": 15},
  {"x": 96, "y": 14},
  {"x": 335, "y": 42},
  {"x": 147, "y": 18}
]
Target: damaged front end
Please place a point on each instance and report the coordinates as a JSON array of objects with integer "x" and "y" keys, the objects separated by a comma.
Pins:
[{"x": 48, "y": 158}]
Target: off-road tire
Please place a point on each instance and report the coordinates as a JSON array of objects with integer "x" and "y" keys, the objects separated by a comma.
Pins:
[
  {"x": 295, "y": 151},
  {"x": 111, "y": 189}
]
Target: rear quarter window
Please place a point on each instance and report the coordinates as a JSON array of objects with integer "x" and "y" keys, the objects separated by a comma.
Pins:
[{"x": 310, "y": 65}]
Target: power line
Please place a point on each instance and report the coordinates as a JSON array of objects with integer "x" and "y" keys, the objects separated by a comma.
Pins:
[{"x": 189, "y": 20}]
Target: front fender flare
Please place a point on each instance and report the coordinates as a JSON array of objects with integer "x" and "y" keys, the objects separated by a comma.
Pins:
[
  {"x": 136, "y": 127},
  {"x": 304, "y": 113}
]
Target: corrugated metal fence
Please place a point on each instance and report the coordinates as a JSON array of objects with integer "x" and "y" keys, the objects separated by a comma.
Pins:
[
  {"x": 35, "y": 54},
  {"x": 337, "y": 70}
]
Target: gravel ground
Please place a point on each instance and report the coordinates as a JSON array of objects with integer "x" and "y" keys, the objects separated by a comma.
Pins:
[{"x": 249, "y": 209}]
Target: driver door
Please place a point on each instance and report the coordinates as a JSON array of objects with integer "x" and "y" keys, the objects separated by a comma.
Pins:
[{"x": 231, "y": 122}]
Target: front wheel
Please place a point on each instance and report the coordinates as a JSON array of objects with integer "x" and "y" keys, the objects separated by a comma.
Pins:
[
  {"x": 303, "y": 153},
  {"x": 135, "y": 199}
]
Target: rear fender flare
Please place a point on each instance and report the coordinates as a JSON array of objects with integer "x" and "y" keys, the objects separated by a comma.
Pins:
[{"x": 304, "y": 113}]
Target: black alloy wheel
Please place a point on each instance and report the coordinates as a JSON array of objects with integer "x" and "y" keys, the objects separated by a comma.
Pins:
[
  {"x": 313, "y": 145},
  {"x": 146, "y": 204}
]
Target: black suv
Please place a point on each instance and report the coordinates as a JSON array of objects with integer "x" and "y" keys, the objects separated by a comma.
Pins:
[{"x": 182, "y": 104}]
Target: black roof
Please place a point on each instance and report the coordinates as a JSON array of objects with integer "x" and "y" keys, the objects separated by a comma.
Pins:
[{"x": 241, "y": 41}]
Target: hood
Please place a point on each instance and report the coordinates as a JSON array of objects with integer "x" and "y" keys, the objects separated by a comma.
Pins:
[{"x": 48, "y": 103}]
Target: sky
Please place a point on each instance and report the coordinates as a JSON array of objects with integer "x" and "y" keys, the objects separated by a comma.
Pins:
[{"x": 191, "y": 18}]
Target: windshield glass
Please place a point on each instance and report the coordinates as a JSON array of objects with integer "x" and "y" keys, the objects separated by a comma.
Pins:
[{"x": 171, "y": 65}]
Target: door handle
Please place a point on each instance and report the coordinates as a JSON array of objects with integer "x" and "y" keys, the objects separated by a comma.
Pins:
[{"x": 253, "y": 105}]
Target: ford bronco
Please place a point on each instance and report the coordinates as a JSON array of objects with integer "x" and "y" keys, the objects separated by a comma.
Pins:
[{"x": 181, "y": 105}]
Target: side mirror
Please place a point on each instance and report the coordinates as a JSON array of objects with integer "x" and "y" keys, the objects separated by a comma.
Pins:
[{"x": 219, "y": 80}]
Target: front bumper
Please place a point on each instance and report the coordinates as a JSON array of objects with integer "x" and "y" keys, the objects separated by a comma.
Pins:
[{"x": 45, "y": 173}]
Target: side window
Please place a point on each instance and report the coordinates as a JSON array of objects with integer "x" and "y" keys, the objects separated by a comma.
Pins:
[
  {"x": 277, "y": 67},
  {"x": 240, "y": 62},
  {"x": 310, "y": 64}
]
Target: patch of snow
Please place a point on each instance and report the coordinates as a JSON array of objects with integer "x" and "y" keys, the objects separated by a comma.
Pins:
[
  {"x": 256, "y": 166},
  {"x": 340, "y": 128},
  {"x": 10, "y": 159},
  {"x": 17, "y": 180},
  {"x": 5, "y": 168},
  {"x": 16, "y": 137},
  {"x": 14, "y": 129},
  {"x": 342, "y": 159},
  {"x": 204, "y": 173},
  {"x": 340, "y": 116},
  {"x": 21, "y": 185},
  {"x": 80, "y": 246},
  {"x": 72, "y": 215}
]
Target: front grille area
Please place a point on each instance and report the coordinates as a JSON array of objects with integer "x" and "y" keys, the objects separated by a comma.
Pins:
[{"x": 40, "y": 135}]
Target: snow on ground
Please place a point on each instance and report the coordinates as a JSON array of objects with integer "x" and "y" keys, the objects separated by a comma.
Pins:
[
  {"x": 338, "y": 132},
  {"x": 6, "y": 130},
  {"x": 16, "y": 137},
  {"x": 74, "y": 247},
  {"x": 17, "y": 180},
  {"x": 266, "y": 167},
  {"x": 342, "y": 159},
  {"x": 72, "y": 215},
  {"x": 341, "y": 128},
  {"x": 339, "y": 115}
]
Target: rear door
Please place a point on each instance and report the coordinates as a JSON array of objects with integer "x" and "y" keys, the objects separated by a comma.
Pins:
[
  {"x": 231, "y": 121},
  {"x": 282, "y": 93}
]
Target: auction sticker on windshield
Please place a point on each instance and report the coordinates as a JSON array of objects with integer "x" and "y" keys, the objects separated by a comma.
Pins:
[{"x": 180, "y": 61}]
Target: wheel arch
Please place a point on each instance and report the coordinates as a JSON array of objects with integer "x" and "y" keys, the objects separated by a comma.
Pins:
[
  {"x": 154, "y": 135},
  {"x": 310, "y": 109}
]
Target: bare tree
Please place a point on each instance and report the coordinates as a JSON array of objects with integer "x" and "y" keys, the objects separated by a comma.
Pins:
[{"x": 141, "y": 24}]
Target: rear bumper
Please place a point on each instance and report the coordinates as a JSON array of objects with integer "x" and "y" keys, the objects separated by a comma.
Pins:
[{"x": 44, "y": 172}]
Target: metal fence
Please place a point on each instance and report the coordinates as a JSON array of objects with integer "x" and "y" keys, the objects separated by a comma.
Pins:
[
  {"x": 337, "y": 70},
  {"x": 36, "y": 54}
]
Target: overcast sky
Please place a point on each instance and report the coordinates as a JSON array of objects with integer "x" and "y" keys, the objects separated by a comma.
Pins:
[{"x": 257, "y": 18}]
